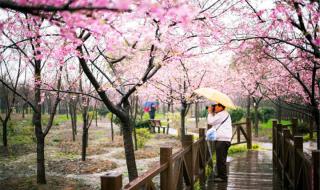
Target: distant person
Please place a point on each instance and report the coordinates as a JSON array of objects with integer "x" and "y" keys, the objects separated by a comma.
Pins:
[
  {"x": 220, "y": 121},
  {"x": 152, "y": 111}
]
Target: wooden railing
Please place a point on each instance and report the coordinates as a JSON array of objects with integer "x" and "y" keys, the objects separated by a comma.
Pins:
[
  {"x": 180, "y": 170},
  {"x": 244, "y": 129},
  {"x": 177, "y": 171},
  {"x": 296, "y": 169}
]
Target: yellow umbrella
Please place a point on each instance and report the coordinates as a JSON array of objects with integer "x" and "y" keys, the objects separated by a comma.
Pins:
[{"x": 216, "y": 96}]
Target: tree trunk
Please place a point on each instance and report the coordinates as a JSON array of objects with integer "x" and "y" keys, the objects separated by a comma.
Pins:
[
  {"x": 256, "y": 120},
  {"x": 182, "y": 119},
  {"x": 84, "y": 135},
  {"x": 73, "y": 115},
  {"x": 134, "y": 122},
  {"x": 5, "y": 133},
  {"x": 67, "y": 111},
  {"x": 23, "y": 109},
  {"x": 129, "y": 150},
  {"x": 248, "y": 106},
  {"x": 96, "y": 117},
  {"x": 41, "y": 174},
  {"x": 112, "y": 132},
  {"x": 279, "y": 110},
  {"x": 197, "y": 114}
]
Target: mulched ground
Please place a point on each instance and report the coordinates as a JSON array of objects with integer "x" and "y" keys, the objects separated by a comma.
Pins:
[
  {"x": 80, "y": 167},
  {"x": 53, "y": 183}
]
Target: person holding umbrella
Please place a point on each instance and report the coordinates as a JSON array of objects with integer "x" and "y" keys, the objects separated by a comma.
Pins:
[
  {"x": 220, "y": 121},
  {"x": 221, "y": 130}
]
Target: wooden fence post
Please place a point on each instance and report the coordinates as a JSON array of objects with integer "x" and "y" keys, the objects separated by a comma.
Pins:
[
  {"x": 311, "y": 127},
  {"x": 249, "y": 134},
  {"x": 274, "y": 143},
  {"x": 298, "y": 146},
  {"x": 294, "y": 126},
  {"x": 286, "y": 135},
  {"x": 186, "y": 142},
  {"x": 279, "y": 145},
  {"x": 111, "y": 181},
  {"x": 238, "y": 133},
  {"x": 166, "y": 176},
  {"x": 202, "y": 148},
  {"x": 316, "y": 169}
]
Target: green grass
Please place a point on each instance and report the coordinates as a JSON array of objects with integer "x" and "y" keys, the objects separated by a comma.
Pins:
[
  {"x": 241, "y": 148},
  {"x": 268, "y": 125},
  {"x": 196, "y": 185},
  {"x": 306, "y": 137},
  {"x": 21, "y": 130},
  {"x": 160, "y": 116},
  {"x": 69, "y": 156}
]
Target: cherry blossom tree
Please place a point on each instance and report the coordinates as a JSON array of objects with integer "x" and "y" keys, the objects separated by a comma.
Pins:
[
  {"x": 97, "y": 36},
  {"x": 289, "y": 33},
  {"x": 176, "y": 82}
]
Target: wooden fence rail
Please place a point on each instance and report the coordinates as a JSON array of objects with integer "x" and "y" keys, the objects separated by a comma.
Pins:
[
  {"x": 180, "y": 170},
  {"x": 177, "y": 171},
  {"x": 296, "y": 169},
  {"x": 244, "y": 129}
]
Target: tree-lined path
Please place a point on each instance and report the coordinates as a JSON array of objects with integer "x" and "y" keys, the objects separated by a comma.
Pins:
[
  {"x": 66, "y": 63},
  {"x": 250, "y": 170}
]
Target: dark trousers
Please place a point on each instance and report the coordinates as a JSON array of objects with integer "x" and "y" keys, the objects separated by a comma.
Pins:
[{"x": 221, "y": 154}]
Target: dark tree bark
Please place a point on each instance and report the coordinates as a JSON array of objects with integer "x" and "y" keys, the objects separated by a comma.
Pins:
[
  {"x": 197, "y": 114},
  {"x": 183, "y": 113},
  {"x": 5, "y": 132},
  {"x": 41, "y": 176},
  {"x": 129, "y": 150},
  {"x": 111, "y": 123},
  {"x": 134, "y": 118},
  {"x": 248, "y": 106},
  {"x": 84, "y": 134},
  {"x": 73, "y": 116},
  {"x": 256, "y": 102},
  {"x": 279, "y": 110}
]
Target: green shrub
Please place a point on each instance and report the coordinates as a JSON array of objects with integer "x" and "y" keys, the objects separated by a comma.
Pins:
[
  {"x": 115, "y": 119},
  {"x": 203, "y": 113},
  {"x": 307, "y": 137},
  {"x": 146, "y": 116},
  {"x": 303, "y": 127},
  {"x": 103, "y": 111},
  {"x": 253, "y": 117},
  {"x": 196, "y": 185},
  {"x": 143, "y": 135},
  {"x": 142, "y": 124},
  {"x": 237, "y": 114},
  {"x": 208, "y": 170},
  {"x": 266, "y": 114}
]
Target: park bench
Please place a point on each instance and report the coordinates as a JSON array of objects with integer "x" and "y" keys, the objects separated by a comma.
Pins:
[{"x": 155, "y": 123}]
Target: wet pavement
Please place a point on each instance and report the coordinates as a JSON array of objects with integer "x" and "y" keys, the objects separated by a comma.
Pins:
[{"x": 250, "y": 170}]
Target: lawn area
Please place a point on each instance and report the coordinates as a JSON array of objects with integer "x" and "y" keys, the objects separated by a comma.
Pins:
[
  {"x": 268, "y": 125},
  {"x": 265, "y": 130},
  {"x": 21, "y": 136}
]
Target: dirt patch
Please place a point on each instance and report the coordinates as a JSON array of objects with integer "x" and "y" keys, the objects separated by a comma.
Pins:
[
  {"x": 117, "y": 142},
  {"x": 53, "y": 182},
  {"x": 139, "y": 154},
  {"x": 70, "y": 147},
  {"x": 81, "y": 167}
]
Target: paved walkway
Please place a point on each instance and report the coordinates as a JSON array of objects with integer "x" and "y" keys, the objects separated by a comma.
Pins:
[{"x": 250, "y": 170}]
